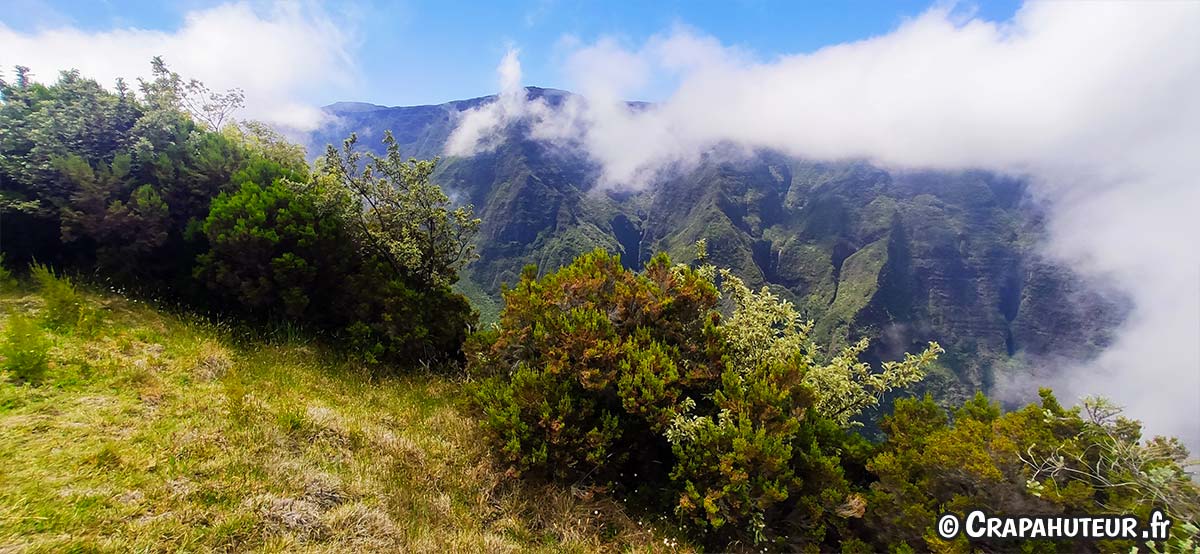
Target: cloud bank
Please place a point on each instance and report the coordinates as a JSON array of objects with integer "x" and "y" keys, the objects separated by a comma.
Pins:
[
  {"x": 480, "y": 129},
  {"x": 1094, "y": 102},
  {"x": 278, "y": 56}
]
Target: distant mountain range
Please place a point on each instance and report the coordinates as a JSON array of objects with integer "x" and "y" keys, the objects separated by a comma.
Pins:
[{"x": 902, "y": 257}]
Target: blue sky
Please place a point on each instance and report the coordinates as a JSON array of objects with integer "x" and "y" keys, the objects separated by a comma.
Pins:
[{"x": 428, "y": 52}]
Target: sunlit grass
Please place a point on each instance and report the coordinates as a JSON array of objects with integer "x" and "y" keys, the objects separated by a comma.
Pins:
[{"x": 152, "y": 432}]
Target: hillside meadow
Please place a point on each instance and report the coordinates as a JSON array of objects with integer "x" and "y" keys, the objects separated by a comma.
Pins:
[{"x": 157, "y": 432}]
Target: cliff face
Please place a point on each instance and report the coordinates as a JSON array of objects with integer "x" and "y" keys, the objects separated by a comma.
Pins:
[{"x": 900, "y": 257}]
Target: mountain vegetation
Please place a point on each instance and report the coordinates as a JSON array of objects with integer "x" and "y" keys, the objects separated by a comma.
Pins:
[
  {"x": 638, "y": 384},
  {"x": 900, "y": 257},
  {"x": 208, "y": 342},
  {"x": 148, "y": 195}
]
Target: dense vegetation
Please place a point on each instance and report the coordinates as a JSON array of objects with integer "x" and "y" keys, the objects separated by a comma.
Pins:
[
  {"x": 733, "y": 419},
  {"x": 147, "y": 193},
  {"x": 900, "y": 257},
  {"x": 677, "y": 388}
]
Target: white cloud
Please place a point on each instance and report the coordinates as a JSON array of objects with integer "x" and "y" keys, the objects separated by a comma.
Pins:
[
  {"x": 1094, "y": 102},
  {"x": 280, "y": 55},
  {"x": 479, "y": 129}
]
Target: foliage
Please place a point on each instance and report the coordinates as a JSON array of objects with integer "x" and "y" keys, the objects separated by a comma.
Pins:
[
  {"x": 260, "y": 138},
  {"x": 599, "y": 375},
  {"x": 737, "y": 468},
  {"x": 589, "y": 362},
  {"x": 1039, "y": 460},
  {"x": 125, "y": 225},
  {"x": 401, "y": 215},
  {"x": 386, "y": 317},
  {"x": 7, "y": 281},
  {"x": 168, "y": 90},
  {"x": 39, "y": 125},
  {"x": 597, "y": 372},
  {"x": 270, "y": 250},
  {"x": 65, "y": 306},
  {"x": 157, "y": 193},
  {"x": 25, "y": 349},
  {"x": 1126, "y": 473},
  {"x": 764, "y": 329}
]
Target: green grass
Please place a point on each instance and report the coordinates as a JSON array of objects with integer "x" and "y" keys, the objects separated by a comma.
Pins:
[{"x": 154, "y": 432}]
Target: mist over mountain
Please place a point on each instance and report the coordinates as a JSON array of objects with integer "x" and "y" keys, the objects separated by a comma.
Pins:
[{"x": 899, "y": 256}]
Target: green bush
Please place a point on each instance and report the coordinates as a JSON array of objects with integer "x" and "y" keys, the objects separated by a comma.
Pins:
[
  {"x": 276, "y": 252},
  {"x": 65, "y": 307},
  {"x": 599, "y": 357},
  {"x": 25, "y": 349},
  {"x": 271, "y": 251},
  {"x": 385, "y": 317},
  {"x": 126, "y": 225},
  {"x": 7, "y": 281},
  {"x": 1039, "y": 460},
  {"x": 632, "y": 381}
]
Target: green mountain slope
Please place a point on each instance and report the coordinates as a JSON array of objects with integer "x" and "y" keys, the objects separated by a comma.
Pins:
[{"x": 902, "y": 257}]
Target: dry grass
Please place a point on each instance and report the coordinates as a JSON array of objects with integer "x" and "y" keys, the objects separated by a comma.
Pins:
[{"x": 156, "y": 433}]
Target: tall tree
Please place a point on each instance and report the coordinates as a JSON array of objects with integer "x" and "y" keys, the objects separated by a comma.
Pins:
[{"x": 404, "y": 217}]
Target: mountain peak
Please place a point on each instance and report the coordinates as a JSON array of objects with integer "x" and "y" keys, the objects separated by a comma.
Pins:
[
  {"x": 352, "y": 107},
  {"x": 552, "y": 95}
]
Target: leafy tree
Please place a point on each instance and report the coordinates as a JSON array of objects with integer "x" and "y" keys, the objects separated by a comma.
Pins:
[
  {"x": 75, "y": 116},
  {"x": 162, "y": 194},
  {"x": 125, "y": 227},
  {"x": 39, "y": 125},
  {"x": 404, "y": 218},
  {"x": 167, "y": 90},
  {"x": 188, "y": 164},
  {"x": 762, "y": 329},
  {"x": 269, "y": 144},
  {"x": 69, "y": 151}
]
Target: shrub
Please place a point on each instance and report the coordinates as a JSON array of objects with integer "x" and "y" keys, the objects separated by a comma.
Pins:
[
  {"x": 599, "y": 358},
  {"x": 7, "y": 281},
  {"x": 126, "y": 225},
  {"x": 1039, "y": 460},
  {"x": 396, "y": 320},
  {"x": 65, "y": 307},
  {"x": 735, "y": 466},
  {"x": 25, "y": 349},
  {"x": 598, "y": 373},
  {"x": 280, "y": 251},
  {"x": 271, "y": 251}
]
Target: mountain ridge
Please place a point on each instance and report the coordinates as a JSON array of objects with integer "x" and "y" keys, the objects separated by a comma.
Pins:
[{"x": 901, "y": 257}]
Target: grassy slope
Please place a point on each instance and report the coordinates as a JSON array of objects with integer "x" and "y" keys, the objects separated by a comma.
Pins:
[{"x": 157, "y": 433}]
